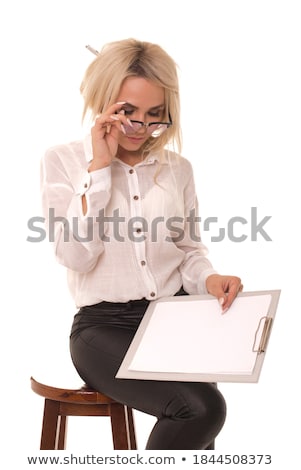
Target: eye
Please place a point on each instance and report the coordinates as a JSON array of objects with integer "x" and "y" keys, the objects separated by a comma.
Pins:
[
  {"x": 155, "y": 114},
  {"x": 128, "y": 112}
]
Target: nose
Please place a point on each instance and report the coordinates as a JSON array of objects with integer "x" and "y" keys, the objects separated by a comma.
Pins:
[{"x": 142, "y": 130}]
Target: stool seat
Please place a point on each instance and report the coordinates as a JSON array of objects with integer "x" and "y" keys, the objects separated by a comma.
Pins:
[{"x": 61, "y": 403}]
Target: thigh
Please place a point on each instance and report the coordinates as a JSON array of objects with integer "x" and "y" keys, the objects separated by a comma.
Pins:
[{"x": 97, "y": 353}]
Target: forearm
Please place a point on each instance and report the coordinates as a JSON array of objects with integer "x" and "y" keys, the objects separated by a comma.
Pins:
[
  {"x": 76, "y": 236},
  {"x": 195, "y": 270}
]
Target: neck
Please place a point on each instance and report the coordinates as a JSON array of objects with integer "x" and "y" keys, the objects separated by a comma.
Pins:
[{"x": 130, "y": 158}]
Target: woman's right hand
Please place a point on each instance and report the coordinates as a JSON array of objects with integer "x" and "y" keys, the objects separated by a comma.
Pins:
[{"x": 105, "y": 133}]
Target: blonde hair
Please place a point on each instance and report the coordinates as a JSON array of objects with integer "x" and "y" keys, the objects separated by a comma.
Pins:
[{"x": 132, "y": 58}]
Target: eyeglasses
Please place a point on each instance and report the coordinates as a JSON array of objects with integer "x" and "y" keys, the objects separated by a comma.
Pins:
[{"x": 155, "y": 129}]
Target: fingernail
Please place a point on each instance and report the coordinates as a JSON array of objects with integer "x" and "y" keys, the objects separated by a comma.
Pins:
[
  {"x": 113, "y": 116},
  {"x": 121, "y": 102},
  {"x": 128, "y": 120},
  {"x": 123, "y": 129},
  {"x": 221, "y": 301},
  {"x": 224, "y": 311}
]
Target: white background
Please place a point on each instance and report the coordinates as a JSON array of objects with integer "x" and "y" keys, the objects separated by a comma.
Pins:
[{"x": 240, "y": 86}]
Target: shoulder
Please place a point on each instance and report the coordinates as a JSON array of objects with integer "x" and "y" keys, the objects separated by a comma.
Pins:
[
  {"x": 65, "y": 162},
  {"x": 178, "y": 162},
  {"x": 65, "y": 150},
  {"x": 70, "y": 158}
]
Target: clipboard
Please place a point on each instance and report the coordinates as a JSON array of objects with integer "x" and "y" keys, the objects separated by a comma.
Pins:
[{"x": 187, "y": 338}]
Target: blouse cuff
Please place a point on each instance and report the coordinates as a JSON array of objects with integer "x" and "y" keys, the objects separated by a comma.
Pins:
[
  {"x": 95, "y": 181},
  {"x": 201, "y": 285}
]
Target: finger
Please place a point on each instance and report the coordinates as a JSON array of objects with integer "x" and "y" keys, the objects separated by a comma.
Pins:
[
  {"x": 104, "y": 119},
  {"x": 233, "y": 290},
  {"x": 116, "y": 113},
  {"x": 229, "y": 299},
  {"x": 104, "y": 124},
  {"x": 122, "y": 119},
  {"x": 114, "y": 108}
]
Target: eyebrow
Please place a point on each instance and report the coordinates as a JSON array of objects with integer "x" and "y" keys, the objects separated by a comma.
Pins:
[{"x": 153, "y": 108}]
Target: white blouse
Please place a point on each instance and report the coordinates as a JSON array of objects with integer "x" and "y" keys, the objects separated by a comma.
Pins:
[{"x": 139, "y": 237}]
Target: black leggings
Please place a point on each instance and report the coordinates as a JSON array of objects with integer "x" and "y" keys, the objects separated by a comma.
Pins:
[{"x": 190, "y": 414}]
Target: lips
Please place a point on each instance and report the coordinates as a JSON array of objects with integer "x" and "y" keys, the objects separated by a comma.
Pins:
[{"x": 136, "y": 140}]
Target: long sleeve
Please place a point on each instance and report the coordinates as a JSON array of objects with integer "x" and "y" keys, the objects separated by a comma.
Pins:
[
  {"x": 75, "y": 236},
  {"x": 195, "y": 267}
]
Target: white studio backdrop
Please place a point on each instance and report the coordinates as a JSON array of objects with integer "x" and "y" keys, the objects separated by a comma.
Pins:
[{"x": 240, "y": 86}]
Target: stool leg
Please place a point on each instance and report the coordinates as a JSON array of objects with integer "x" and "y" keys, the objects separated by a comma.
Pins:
[
  {"x": 50, "y": 425},
  {"x": 120, "y": 429},
  {"x": 131, "y": 429},
  {"x": 62, "y": 432}
]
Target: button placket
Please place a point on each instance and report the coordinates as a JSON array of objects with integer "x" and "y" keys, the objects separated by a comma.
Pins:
[{"x": 140, "y": 247}]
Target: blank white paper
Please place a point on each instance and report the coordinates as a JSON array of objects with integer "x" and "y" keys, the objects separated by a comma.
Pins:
[{"x": 194, "y": 337}]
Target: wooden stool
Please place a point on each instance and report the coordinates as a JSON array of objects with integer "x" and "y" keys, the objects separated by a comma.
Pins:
[{"x": 61, "y": 403}]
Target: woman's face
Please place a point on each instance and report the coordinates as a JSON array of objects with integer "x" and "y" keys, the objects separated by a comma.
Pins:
[{"x": 144, "y": 101}]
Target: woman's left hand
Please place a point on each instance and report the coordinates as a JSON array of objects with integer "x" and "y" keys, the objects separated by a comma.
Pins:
[{"x": 224, "y": 288}]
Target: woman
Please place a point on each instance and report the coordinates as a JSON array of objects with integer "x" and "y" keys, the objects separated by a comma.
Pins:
[{"x": 121, "y": 209}]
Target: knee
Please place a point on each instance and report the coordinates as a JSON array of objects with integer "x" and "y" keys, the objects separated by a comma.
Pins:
[
  {"x": 206, "y": 406},
  {"x": 215, "y": 409}
]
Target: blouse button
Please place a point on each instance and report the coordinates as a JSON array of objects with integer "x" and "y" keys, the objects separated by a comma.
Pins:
[
  {"x": 152, "y": 294},
  {"x": 131, "y": 171},
  {"x": 136, "y": 198},
  {"x": 85, "y": 185},
  {"x": 143, "y": 263}
]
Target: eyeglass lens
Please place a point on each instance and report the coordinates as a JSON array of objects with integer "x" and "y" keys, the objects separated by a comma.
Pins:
[{"x": 155, "y": 129}]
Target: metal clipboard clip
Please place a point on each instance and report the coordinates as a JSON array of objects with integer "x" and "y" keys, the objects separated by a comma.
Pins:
[{"x": 264, "y": 336}]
